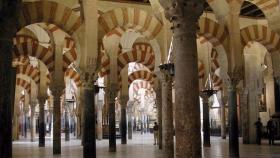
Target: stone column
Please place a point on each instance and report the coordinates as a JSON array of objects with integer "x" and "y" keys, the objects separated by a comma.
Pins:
[
  {"x": 167, "y": 116},
  {"x": 89, "y": 149},
  {"x": 67, "y": 130},
  {"x": 57, "y": 91},
  {"x": 277, "y": 94},
  {"x": 42, "y": 100},
  {"x": 159, "y": 111},
  {"x": 129, "y": 122},
  {"x": 184, "y": 16},
  {"x": 124, "y": 100},
  {"x": 233, "y": 121},
  {"x": 15, "y": 118},
  {"x": 32, "y": 120},
  {"x": 223, "y": 117},
  {"x": 206, "y": 124}
]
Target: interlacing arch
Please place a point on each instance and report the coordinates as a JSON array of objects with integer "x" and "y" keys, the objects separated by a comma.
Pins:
[
  {"x": 141, "y": 53},
  {"x": 131, "y": 18},
  {"x": 29, "y": 70},
  {"x": 262, "y": 34},
  {"x": 141, "y": 75},
  {"x": 21, "y": 60},
  {"x": 49, "y": 12},
  {"x": 24, "y": 84}
]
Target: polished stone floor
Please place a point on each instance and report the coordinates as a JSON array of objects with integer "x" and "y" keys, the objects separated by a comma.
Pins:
[{"x": 140, "y": 147}]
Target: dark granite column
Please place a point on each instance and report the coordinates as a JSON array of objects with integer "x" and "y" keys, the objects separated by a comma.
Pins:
[
  {"x": 9, "y": 12},
  {"x": 57, "y": 91},
  {"x": 277, "y": 94},
  {"x": 184, "y": 16},
  {"x": 233, "y": 121},
  {"x": 223, "y": 117},
  {"x": 66, "y": 117},
  {"x": 112, "y": 117},
  {"x": 6, "y": 49},
  {"x": 129, "y": 123},
  {"x": 124, "y": 100},
  {"x": 206, "y": 124},
  {"x": 89, "y": 150},
  {"x": 42, "y": 100},
  {"x": 167, "y": 116}
]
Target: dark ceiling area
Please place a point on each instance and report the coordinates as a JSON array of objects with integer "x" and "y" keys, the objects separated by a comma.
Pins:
[{"x": 248, "y": 9}]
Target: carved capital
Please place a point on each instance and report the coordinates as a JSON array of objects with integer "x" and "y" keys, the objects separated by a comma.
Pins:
[
  {"x": 88, "y": 79},
  {"x": 235, "y": 77},
  {"x": 42, "y": 99},
  {"x": 57, "y": 90}
]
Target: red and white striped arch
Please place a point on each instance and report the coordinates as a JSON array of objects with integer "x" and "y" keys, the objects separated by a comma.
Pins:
[
  {"x": 213, "y": 32},
  {"x": 105, "y": 63},
  {"x": 141, "y": 53},
  {"x": 268, "y": 7},
  {"x": 75, "y": 76},
  {"x": 30, "y": 71},
  {"x": 140, "y": 85},
  {"x": 36, "y": 50},
  {"x": 131, "y": 18},
  {"x": 24, "y": 84},
  {"x": 19, "y": 39},
  {"x": 21, "y": 60},
  {"x": 50, "y": 12},
  {"x": 262, "y": 34},
  {"x": 141, "y": 75}
]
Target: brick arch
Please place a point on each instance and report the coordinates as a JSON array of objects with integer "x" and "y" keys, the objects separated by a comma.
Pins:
[
  {"x": 29, "y": 70},
  {"x": 36, "y": 50},
  {"x": 201, "y": 70},
  {"x": 262, "y": 34},
  {"x": 49, "y": 12},
  {"x": 131, "y": 18},
  {"x": 141, "y": 53},
  {"x": 268, "y": 7},
  {"x": 24, "y": 84},
  {"x": 21, "y": 60},
  {"x": 141, "y": 75},
  {"x": 213, "y": 32},
  {"x": 105, "y": 62},
  {"x": 19, "y": 39}
]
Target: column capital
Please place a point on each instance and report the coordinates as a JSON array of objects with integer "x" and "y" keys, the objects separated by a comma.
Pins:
[
  {"x": 124, "y": 100},
  {"x": 88, "y": 79},
  {"x": 277, "y": 79},
  {"x": 235, "y": 77},
  {"x": 183, "y": 14},
  {"x": 42, "y": 99},
  {"x": 57, "y": 90}
]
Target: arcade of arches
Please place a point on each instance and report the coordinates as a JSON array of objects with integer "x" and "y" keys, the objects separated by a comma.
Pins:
[{"x": 106, "y": 70}]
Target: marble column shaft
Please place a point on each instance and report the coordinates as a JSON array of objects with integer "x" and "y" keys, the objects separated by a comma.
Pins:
[
  {"x": 89, "y": 150},
  {"x": 99, "y": 122},
  {"x": 124, "y": 100},
  {"x": 184, "y": 16},
  {"x": 129, "y": 122},
  {"x": 233, "y": 122},
  {"x": 112, "y": 117},
  {"x": 42, "y": 100},
  {"x": 57, "y": 92},
  {"x": 32, "y": 129},
  {"x": 67, "y": 123},
  {"x": 206, "y": 124},
  {"x": 223, "y": 118},
  {"x": 159, "y": 111},
  {"x": 167, "y": 117}
]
